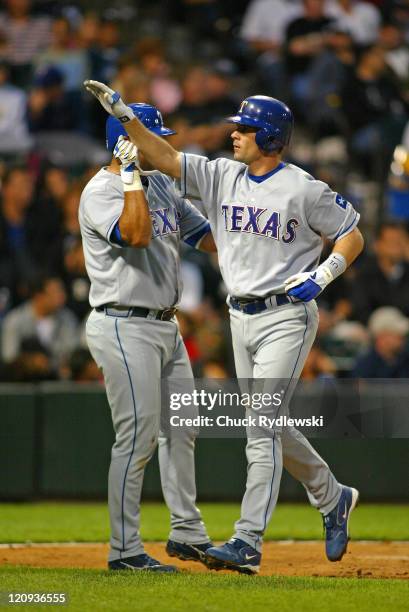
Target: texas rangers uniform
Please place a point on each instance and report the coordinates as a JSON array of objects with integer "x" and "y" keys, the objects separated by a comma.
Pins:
[
  {"x": 135, "y": 350},
  {"x": 267, "y": 229}
]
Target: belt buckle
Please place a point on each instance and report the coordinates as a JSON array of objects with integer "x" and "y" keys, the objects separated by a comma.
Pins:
[
  {"x": 168, "y": 314},
  {"x": 242, "y": 305}
]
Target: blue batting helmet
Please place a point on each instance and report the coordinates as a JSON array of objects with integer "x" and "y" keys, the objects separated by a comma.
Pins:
[
  {"x": 147, "y": 114},
  {"x": 273, "y": 118}
]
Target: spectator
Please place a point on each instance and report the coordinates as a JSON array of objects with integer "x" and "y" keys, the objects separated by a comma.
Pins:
[
  {"x": 194, "y": 95},
  {"x": 17, "y": 265},
  {"x": 263, "y": 28},
  {"x": 305, "y": 39},
  {"x": 375, "y": 111},
  {"x": 103, "y": 57},
  {"x": 392, "y": 41},
  {"x": 265, "y": 22},
  {"x": 318, "y": 365},
  {"x": 195, "y": 108},
  {"x": 75, "y": 279},
  {"x": 14, "y": 136},
  {"x": 83, "y": 368},
  {"x": 388, "y": 357},
  {"x": 25, "y": 36},
  {"x": 32, "y": 364},
  {"x": 214, "y": 369},
  {"x": 131, "y": 82},
  {"x": 360, "y": 19},
  {"x": 29, "y": 233},
  {"x": 165, "y": 91},
  {"x": 187, "y": 331},
  {"x": 49, "y": 106},
  {"x": 70, "y": 224},
  {"x": 329, "y": 72},
  {"x": 42, "y": 318},
  {"x": 54, "y": 186},
  {"x": 219, "y": 85},
  {"x": 383, "y": 280},
  {"x": 88, "y": 31},
  {"x": 64, "y": 54}
]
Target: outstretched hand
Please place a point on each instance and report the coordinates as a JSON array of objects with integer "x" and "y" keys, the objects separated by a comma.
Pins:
[{"x": 110, "y": 100}]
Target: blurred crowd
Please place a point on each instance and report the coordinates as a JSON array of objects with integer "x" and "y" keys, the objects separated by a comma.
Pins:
[{"x": 341, "y": 65}]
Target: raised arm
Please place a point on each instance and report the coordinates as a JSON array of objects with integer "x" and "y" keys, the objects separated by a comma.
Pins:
[
  {"x": 134, "y": 225},
  {"x": 159, "y": 153}
]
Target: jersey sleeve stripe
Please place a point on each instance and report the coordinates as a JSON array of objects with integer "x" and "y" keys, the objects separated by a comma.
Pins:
[
  {"x": 192, "y": 232},
  {"x": 183, "y": 177},
  {"x": 350, "y": 227},
  {"x": 110, "y": 228},
  {"x": 193, "y": 239}
]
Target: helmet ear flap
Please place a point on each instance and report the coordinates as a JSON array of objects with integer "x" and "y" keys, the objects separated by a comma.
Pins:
[
  {"x": 262, "y": 138},
  {"x": 265, "y": 140}
]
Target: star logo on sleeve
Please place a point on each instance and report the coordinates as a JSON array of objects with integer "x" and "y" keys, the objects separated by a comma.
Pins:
[{"x": 341, "y": 201}]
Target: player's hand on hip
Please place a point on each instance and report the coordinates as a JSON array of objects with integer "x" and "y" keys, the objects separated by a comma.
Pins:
[
  {"x": 307, "y": 285},
  {"x": 303, "y": 286},
  {"x": 110, "y": 100}
]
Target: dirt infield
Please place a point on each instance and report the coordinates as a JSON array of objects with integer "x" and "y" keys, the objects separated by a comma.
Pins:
[{"x": 363, "y": 560}]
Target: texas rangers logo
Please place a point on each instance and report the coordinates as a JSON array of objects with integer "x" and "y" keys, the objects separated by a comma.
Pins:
[
  {"x": 165, "y": 221},
  {"x": 243, "y": 106},
  {"x": 259, "y": 221}
]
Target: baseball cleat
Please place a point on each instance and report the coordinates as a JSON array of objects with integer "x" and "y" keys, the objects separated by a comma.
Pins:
[
  {"x": 188, "y": 552},
  {"x": 140, "y": 563},
  {"x": 336, "y": 524},
  {"x": 234, "y": 555}
]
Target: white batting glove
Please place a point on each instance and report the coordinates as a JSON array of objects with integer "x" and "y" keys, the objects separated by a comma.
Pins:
[
  {"x": 127, "y": 153},
  {"x": 305, "y": 286},
  {"x": 110, "y": 100}
]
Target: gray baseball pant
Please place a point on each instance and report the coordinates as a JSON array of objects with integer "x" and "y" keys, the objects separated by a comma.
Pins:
[
  {"x": 274, "y": 345},
  {"x": 134, "y": 355}
]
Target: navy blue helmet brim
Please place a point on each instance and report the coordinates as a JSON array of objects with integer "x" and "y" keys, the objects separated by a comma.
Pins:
[
  {"x": 244, "y": 120},
  {"x": 162, "y": 131}
]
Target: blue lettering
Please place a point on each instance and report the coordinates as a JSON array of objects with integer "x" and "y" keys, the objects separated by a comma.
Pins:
[
  {"x": 225, "y": 208},
  {"x": 155, "y": 227},
  {"x": 289, "y": 236},
  {"x": 254, "y": 214},
  {"x": 236, "y": 218},
  {"x": 167, "y": 225},
  {"x": 272, "y": 226}
]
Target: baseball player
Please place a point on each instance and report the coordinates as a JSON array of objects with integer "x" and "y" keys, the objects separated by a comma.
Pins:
[
  {"x": 131, "y": 228},
  {"x": 268, "y": 219}
]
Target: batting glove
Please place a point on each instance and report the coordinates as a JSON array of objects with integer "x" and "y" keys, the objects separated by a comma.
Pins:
[
  {"x": 127, "y": 153},
  {"x": 305, "y": 286},
  {"x": 110, "y": 100}
]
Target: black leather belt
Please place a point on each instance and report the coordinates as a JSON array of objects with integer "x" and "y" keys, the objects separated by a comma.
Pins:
[
  {"x": 136, "y": 311},
  {"x": 254, "y": 306}
]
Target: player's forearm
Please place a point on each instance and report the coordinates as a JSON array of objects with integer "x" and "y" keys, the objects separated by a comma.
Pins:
[
  {"x": 159, "y": 153},
  {"x": 307, "y": 285},
  {"x": 350, "y": 246},
  {"x": 135, "y": 222},
  {"x": 207, "y": 244}
]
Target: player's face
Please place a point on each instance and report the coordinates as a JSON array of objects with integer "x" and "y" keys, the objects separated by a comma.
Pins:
[{"x": 244, "y": 144}]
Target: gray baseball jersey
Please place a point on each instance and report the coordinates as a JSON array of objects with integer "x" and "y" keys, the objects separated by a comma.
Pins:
[
  {"x": 136, "y": 353},
  {"x": 265, "y": 231},
  {"x": 149, "y": 277}
]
